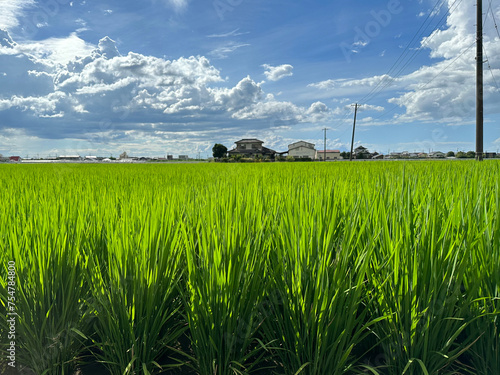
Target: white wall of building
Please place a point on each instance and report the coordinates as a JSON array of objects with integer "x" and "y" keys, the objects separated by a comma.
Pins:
[
  {"x": 302, "y": 149},
  {"x": 302, "y": 152},
  {"x": 330, "y": 155}
]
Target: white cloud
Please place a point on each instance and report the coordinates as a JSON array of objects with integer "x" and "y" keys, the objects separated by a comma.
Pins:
[
  {"x": 347, "y": 87},
  {"x": 370, "y": 107},
  {"x": 244, "y": 94},
  {"x": 58, "y": 50},
  {"x": 445, "y": 90},
  {"x": 224, "y": 50},
  {"x": 360, "y": 43},
  {"x": 11, "y": 11},
  {"x": 283, "y": 112},
  {"x": 235, "y": 32},
  {"x": 275, "y": 73},
  {"x": 102, "y": 97},
  {"x": 178, "y": 5}
]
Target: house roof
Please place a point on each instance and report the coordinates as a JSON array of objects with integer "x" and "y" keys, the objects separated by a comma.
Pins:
[
  {"x": 296, "y": 143},
  {"x": 263, "y": 151},
  {"x": 327, "y": 151},
  {"x": 249, "y": 140}
]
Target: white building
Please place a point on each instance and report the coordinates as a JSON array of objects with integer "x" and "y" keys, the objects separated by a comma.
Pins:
[
  {"x": 70, "y": 157},
  {"x": 330, "y": 155},
  {"x": 302, "y": 149}
]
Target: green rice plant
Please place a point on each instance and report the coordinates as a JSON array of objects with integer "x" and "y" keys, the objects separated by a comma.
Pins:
[
  {"x": 312, "y": 268},
  {"x": 483, "y": 274},
  {"x": 318, "y": 264},
  {"x": 43, "y": 238},
  {"x": 225, "y": 281},
  {"x": 134, "y": 277},
  {"x": 419, "y": 274}
]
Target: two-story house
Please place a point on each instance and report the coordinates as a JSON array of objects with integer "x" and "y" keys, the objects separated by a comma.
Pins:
[
  {"x": 251, "y": 148},
  {"x": 302, "y": 149}
]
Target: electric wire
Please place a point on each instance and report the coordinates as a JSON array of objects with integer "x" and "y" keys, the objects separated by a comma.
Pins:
[
  {"x": 402, "y": 55},
  {"x": 387, "y": 79},
  {"x": 493, "y": 17},
  {"x": 429, "y": 82},
  {"x": 491, "y": 71}
]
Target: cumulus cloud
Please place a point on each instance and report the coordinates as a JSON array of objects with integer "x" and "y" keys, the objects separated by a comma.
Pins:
[
  {"x": 283, "y": 112},
  {"x": 103, "y": 97},
  {"x": 275, "y": 73}
]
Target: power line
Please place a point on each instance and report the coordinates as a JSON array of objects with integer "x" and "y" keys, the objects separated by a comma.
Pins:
[
  {"x": 490, "y": 10},
  {"x": 387, "y": 80},
  {"x": 401, "y": 56},
  {"x": 491, "y": 71},
  {"x": 429, "y": 82}
]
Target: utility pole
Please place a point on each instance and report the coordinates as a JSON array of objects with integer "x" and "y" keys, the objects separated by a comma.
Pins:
[
  {"x": 479, "y": 82},
  {"x": 353, "y": 129},
  {"x": 324, "y": 146}
]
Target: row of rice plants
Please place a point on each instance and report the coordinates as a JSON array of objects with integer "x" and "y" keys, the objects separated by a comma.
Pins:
[{"x": 327, "y": 268}]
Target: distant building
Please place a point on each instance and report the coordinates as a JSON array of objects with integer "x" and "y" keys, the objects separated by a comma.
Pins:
[
  {"x": 170, "y": 157},
  {"x": 183, "y": 157},
  {"x": 15, "y": 158},
  {"x": 361, "y": 152},
  {"x": 251, "y": 148},
  {"x": 330, "y": 155},
  {"x": 437, "y": 155},
  {"x": 70, "y": 157},
  {"x": 302, "y": 149}
]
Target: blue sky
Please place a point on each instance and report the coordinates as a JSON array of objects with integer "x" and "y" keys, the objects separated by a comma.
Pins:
[{"x": 158, "y": 77}]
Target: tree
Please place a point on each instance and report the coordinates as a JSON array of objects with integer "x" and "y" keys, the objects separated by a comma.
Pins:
[
  {"x": 345, "y": 154},
  {"x": 450, "y": 154},
  {"x": 471, "y": 154},
  {"x": 461, "y": 155},
  {"x": 219, "y": 151}
]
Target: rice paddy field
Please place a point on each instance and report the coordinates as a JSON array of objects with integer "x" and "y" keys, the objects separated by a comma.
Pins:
[{"x": 272, "y": 268}]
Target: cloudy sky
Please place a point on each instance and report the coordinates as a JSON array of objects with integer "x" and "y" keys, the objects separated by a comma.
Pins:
[{"x": 158, "y": 77}]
